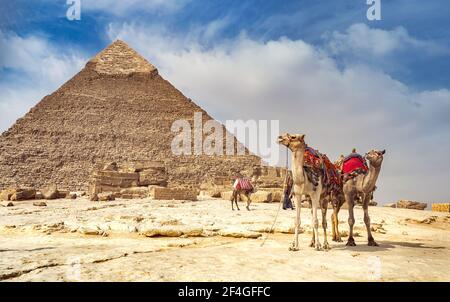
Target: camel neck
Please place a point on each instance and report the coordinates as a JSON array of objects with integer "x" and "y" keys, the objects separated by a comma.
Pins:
[
  {"x": 371, "y": 178},
  {"x": 298, "y": 159}
]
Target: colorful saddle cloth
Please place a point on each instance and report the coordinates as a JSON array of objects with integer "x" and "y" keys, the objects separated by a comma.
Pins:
[
  {"x": 354, "y": 163},
  {"x": 312, "y": 158},
  {"x": 332, "y": 177},
  {"x": 316, "y": 165},
  {"x": 243, "y": 184}
]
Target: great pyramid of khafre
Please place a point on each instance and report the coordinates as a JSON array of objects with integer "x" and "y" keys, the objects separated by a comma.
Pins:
[{"x": 116, "y": 109}]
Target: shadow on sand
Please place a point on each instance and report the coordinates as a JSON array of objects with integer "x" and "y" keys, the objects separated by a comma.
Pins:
[{"x": 385, "y": 245}]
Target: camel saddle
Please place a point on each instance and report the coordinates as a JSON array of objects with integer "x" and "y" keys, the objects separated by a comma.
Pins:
[
  {"x": 316, "y": 165},
  {"x": 243, "y": 184},
  {"x": 353, "y": 165}
]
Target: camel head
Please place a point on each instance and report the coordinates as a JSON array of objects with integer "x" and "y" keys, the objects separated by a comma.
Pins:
[
  {"x": 375, "y": 157},
  {"x": 293, "y": 141}
]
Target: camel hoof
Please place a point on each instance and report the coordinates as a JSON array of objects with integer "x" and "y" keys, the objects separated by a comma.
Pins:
[
  {"x": 351, "y": 242},
  {"x": 318, "y": 247},
  {"x": 326, "y": 246},
  {"x": 293, "y": 249},
  {"x": 248, "y": 209},
  {"x": 339, "y": 240},
  {"x": 312, "y": 244},
  {"x": 372, "y": 243}
]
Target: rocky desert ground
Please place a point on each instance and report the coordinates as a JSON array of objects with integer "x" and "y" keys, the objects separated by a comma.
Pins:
[{"x": 155, "y": 240}]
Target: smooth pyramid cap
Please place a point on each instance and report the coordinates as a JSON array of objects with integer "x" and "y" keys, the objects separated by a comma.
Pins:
[{"x": 120, "y": 59}]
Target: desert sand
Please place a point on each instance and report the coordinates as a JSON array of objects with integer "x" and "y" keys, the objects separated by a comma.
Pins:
[{"x": 151, "y": 240}]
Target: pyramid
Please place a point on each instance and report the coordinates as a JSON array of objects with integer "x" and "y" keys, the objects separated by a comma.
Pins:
[{"x": 116, "y": 109}]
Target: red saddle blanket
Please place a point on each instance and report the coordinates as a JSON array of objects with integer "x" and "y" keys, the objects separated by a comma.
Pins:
[
  {"x": 354, "y": 163},
  {"x": 243, "y": 184}
]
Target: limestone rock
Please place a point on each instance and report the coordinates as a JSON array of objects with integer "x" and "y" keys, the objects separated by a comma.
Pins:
[
  {"x": 107, "y": 196},
  {"x": 171, "y": 231},
  {"x": 134, "y": 192},
  {"x": 50, "y": 192},
  {"x": 7, "y": 193},
  {"x": 23, "y": 194},
  {"x": 239, "y": 233},
  {"x": 7, "y": 204},
  {"x": 39, "y": 204},
  {"x": 162, "y": 193},
  {"x": 63, "y": 194},
  {"x": 94, "y": 197},
  {"x": 261, "y": 196},
  {"x": 408, "y": 204}
]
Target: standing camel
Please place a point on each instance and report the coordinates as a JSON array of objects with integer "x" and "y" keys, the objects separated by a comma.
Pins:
[
  {"x": 304, "y": 188},
  {"x": 241, "y": 185},
  {"x": 362, "y": 186}
]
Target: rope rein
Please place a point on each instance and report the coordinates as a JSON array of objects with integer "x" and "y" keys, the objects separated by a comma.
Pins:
[{"x": 281, "y": 199}]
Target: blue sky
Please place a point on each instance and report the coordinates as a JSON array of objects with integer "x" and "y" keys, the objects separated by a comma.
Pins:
[
  {"x": 308, "y": 20},
  {"x": 319, "y": 66}
]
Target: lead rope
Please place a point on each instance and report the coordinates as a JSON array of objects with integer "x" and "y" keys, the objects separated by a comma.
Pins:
[{"x": 281, "y": 199}]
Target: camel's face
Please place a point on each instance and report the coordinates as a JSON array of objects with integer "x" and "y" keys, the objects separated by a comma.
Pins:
[
  {"x": 292, "y": 141},
  {"x": 375, "y": 157}
]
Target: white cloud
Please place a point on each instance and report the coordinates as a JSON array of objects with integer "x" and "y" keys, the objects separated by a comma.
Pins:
[
  {"x": 301, "y": 86},
  {"x": 362, "y": 40},
  {"x": 36, "y": 68},
  {"x": 121, "y": 7}
]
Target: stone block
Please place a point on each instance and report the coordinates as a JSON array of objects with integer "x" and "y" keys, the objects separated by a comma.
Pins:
[{"x": 440, "y": 207}]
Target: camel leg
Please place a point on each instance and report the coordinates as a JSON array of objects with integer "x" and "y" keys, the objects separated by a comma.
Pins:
[
  {"x": 232, "y": 199},
  {"x": 313, "y": 239},
  {"x": 294, "y": 246},
  {"x": 326, "y": 246},
  {"x": 371, "y": 241},
  {"x": 249, "y": 201},
  {"x": 315, "y": 222},
  {"x": 333, "y": 225},
  {"x": 350, "y": 198},
  {"x": 335, "y": 222},
  {"x": 237, "y": 198}
]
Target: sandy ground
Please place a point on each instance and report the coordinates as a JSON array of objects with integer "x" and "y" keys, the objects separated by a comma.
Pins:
[{"x": 149, "y": 240}]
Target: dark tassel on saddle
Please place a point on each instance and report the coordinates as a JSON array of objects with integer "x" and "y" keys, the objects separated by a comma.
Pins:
[{"x": 313, "y": 175}]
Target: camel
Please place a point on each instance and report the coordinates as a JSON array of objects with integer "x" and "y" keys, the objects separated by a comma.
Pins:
[
  {"x": 304, "y": 189},
  {"x": 362, "y": 186}
]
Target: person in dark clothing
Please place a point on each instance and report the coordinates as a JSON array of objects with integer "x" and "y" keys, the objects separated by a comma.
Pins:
[{"x": 287, "y": 202}]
